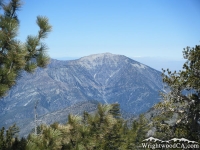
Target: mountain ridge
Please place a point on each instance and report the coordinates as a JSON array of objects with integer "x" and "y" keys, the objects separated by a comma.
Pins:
[{"x": 106, "y": 78}]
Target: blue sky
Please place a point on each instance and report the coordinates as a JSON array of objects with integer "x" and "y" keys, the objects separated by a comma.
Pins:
[{"x": 135, "y": 28}]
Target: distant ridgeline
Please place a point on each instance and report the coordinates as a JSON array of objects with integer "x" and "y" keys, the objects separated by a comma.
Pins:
[{"x": 76, "y": 85}]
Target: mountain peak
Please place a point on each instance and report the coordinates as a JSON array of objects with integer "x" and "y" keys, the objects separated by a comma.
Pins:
[
  {"x": 106, "y": 78},
  {"x": 98, "y": 56},
  {"x": 101, "y": 59}
]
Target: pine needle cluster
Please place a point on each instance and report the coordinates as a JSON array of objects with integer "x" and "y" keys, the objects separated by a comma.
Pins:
[
  {"x": 102, "y": 130},
  {"x": 17, "y": 56}
]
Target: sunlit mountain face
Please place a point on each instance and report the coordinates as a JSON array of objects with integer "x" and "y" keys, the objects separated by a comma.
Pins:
[{"x": 104, "y": 78}]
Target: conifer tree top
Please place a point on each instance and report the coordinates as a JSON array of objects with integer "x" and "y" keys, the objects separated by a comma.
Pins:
[{"x": 17, "y": 56}]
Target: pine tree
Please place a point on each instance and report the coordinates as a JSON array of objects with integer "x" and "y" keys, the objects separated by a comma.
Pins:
[
  {"x": 2, "y": 139},
  {"x": 19, "y": 144},
  {"x": 183, "y": 100},
  {"x": 16, "y": 56},
  {"x": 115, "y": 138},
  {"x": 103, "y": 129},
  {"x": 48, "y": 139},
  {"x": 8, "y": 138},
  {"x": 137, "y": 133}
]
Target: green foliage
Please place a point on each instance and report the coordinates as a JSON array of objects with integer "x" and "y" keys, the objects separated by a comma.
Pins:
[
  {"x": 182, "y": 103},
  {"x": 49, "y": 139},
  {"x": 104, "y": 129},
  {"x": 16, "y": 56},
  {"x": 9, "y": 140},
  {"x": 101, "y": 130},
  {"x": 138, "y": 132}
]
